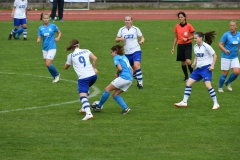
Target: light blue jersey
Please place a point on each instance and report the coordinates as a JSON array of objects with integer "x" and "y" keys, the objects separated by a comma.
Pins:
[
  {"x": 231, "y": 43},
  {"x": 126, "y": 72},
  {"x": 48, "y": 35}
]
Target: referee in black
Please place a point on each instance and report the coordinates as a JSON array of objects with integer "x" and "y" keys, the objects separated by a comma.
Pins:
[{"x": 60, "y": 5}]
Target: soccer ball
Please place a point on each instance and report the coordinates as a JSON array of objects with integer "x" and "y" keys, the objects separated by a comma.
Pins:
[{"x": 95, "y": 108}]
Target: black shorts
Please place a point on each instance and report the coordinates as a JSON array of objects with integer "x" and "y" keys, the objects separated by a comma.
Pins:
[{"x": 184, "y": 51}]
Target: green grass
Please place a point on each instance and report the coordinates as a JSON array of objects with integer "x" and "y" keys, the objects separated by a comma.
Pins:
[{"x": 40, "y": 120}]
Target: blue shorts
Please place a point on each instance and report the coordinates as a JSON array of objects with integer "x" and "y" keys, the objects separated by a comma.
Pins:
[
  {"x": 136, "y": 56},
  {"x": 18, "y": 22},
  {"x": 200, "y": 73},
  {"x": 86, "y": 83}
]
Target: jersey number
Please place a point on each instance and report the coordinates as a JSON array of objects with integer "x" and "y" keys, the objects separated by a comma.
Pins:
[{"x": 81, "y": 59}]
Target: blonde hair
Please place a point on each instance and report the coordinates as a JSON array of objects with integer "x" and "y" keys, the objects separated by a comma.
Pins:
[
  {"x": 45, "y": 14},
  {"x": 129, "y": 16}
]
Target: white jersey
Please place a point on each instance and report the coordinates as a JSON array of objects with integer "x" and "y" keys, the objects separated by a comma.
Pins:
[
  {"x": 81, "y": 63},
  {"x": 204, "y": 54},
  {"x": 21, "y": 7},
  {"x": 131, "y": 35}
]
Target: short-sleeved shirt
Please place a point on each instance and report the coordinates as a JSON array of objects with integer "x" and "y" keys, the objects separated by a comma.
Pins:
[
  {"x": 48, "y": 35},
  {"x": 231, "y": 43},
  {"x": 81, "y": 63},
  {"x": 131, "y": 35},
  {"x": 20, "y": 11},
  {"x": 204, "y": 54},
  {"x": 126, "y": 72},
  {"x": 183, "y": 31}
]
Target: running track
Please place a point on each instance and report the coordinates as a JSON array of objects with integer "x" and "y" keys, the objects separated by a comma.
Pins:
[{"x": 137, "y": 14}]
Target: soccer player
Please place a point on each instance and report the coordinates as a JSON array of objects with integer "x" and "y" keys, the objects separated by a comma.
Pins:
[
  {"x": 129, "y": 34},
  {"x": 122, "y": 82},
  {"x": 47, "y": 33},
  {"x": 19, "y": 13},
  {"x": 205, "y": 59},
  {"x": 230, "y": 46},
  {"x": 87, "y": 73},
  {"x": 184, "y": 32}
]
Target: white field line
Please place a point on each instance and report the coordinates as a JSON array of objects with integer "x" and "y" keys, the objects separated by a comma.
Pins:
[{"x": 95, "y": 92}]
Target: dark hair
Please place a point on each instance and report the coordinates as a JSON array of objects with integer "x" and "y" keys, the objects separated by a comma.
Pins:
[
  {"x": 73, "y": 44},
  {"x": 119, "y": 48},
  {"x": 183, "y": 13},
  {"x": 209, "y": 36}
]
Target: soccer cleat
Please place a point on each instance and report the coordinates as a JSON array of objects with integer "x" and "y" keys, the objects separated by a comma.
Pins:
[
  {"x": 96, "y": 108},
  {"x": 9, "y": 37},
  {"x": 24, "y": 39},
  {"x": 139, "y": 86},
  {"x": 220, "y": 90},
  {"x": 181, "y": 104},
  {"x": 61, "y": 20},
  {"x": 228, "y": 86},
  {"x": 82, "y": 110},
  {"x": 56, "y": 79},
  {"x": 216, "y": 106},
  {"x": 88, "y": 117},
  {"x": 14, "y": 35},
  {"x": 125, "y": 111}
]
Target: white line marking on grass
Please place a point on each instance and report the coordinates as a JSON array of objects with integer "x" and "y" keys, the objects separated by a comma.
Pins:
[{"x": 96, "y": 91}]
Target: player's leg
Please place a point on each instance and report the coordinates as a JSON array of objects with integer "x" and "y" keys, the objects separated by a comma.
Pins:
[
  {"x": 16, "y": 26},
  {"x": 19, "y": 33},
  {"x": 236, "y": 69},
  {"x": 24, "y": 22},
  {"x": 54, "y": 8},
  {"x": 137, "y": 68},
  {"x": 181, "y": 57},
  {"x": 48, "y": 58},
  {"x": 188, "y": 56},
  {"x": 225, "y": 65},
  {"x": 60, "y": 9}
]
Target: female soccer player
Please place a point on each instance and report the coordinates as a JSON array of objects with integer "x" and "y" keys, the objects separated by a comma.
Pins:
[
  {"x": 47, "y": 32},
  {"x": 230, "y": 46},
  {"x": 205, "y": 59},
  {"x": 122, "y": 82},
  {"x": 87, "y": 73},
  {"x": 183, "y": 37},
  {"x": 19, "y": 13},
  {"x": 129, "y": 34}
]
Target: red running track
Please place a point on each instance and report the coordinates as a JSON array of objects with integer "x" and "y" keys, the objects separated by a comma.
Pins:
[{"x": 137, "y": 14}]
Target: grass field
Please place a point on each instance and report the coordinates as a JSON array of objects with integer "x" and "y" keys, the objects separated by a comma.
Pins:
[{"x": 40, "y": 120}]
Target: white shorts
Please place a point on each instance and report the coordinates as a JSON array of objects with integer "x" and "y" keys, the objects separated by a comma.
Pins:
[
  {"x": 50, "y": 54},
  {"x": 121, "y": 83},
  {"x": 226, "y": 64}
]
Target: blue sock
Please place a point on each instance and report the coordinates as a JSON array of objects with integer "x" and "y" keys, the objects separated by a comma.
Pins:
[
  {"x": 19, "y": 32},
  {"x": 104, "y": 97},
  {"x": 221, "y": 81},
  {"x": 120, "y": 101},
  {"x": 53, "y": 71},
  {"x": 231, "y": 78}
]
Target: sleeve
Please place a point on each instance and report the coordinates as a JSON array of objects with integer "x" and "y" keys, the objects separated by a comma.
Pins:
[
  {"x": 69, "y": 59},
  {"x": 224, "y": 38},
  {"x": 39, "y": 32},
  {"x": 55, "y": 28},
  {"x": 15, "y": 3},
  {"x": 139, "y": 33},
  {"x": 175, "y": 29},
  {"x": 116, "y": 61},
  {"x": 119, "y": 34},
  {"x": 210, "y": 50},
  {"x": 191, "y": 29}
]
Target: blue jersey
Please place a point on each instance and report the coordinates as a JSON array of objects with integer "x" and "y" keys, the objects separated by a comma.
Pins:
[
  {"x": 126, "y": 72},
  {"x": 231, "y": 43},
  {"x": 48, "y": 35}
]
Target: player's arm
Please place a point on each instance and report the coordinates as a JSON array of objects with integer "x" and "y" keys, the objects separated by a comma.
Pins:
[
  {"x": 174, "y": 43},
  {"x": 142, "y": 39},
  {"x": 59, "y": 36},
  {"x": 214, "y": 62},
  {"x": 67, "y": 65},
  {"x": 94, "y": 64},
  {"x": 194, "y": 62},
  {"x": 13, "y": 10},
  {"x": 39, "y": 39},
  {"x": 119, "y": 69},
  {"x": 239, "y": 48},
  {"x": 119, "y": 39},
  {"x": 221, "y": 46}
]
